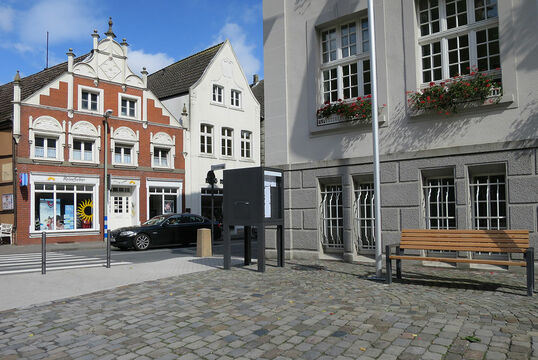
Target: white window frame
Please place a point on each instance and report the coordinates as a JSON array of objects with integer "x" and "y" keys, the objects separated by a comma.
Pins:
[
  {"x": 235, "y": 99},
  {"x": 162, "y": 183},
  {"x": 100, "y": 97},
  {"x": 124, "y": 137},
  {"x": 207, "y": 135},
  {"x": 49, "y": 128},
  {"x": 215, "y": 94},
  {"x": 227, "y": 142},
  {"x": 443, "y": 36},
  {"x": 340, "y": 62},
  {"x": 163, "y": 141},
  {"x": 127, "y": 97},
  {"x": 84, "y": 131},
  {"x": 123, "y": 146},
  {"x": 246, "y": 144},
  {"x": 64, "y": 179}
]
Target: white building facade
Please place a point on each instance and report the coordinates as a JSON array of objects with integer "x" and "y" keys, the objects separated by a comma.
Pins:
[{"x": 209, "y": 92}]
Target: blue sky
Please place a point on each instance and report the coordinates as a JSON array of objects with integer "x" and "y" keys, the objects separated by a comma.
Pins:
[{"x": 158, "y": 32}]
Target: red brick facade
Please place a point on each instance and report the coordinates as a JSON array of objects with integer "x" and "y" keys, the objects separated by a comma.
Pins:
[{"x": 55, "y": 105}]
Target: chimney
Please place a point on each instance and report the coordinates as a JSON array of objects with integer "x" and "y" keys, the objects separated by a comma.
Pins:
[
  {"x": 145, "y": 77},
  {"x": 95, "y": 37},
  {"x": 70, "y": 58},
  {"x": 255, "y": 79}
]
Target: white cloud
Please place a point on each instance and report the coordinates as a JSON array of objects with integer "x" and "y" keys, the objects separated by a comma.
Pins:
[
  {"x": 65, "y": 20},
  {"x": 138, "y": 59},
  {"x": 7, "y": 16},
  {"x": 243, "y": 49},
  {"x": 22, "y": 48},
  {"x": 253, "y": 14}
]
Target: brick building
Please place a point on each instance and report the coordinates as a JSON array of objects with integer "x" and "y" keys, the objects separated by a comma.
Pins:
[{"x": 58, "y": 128}]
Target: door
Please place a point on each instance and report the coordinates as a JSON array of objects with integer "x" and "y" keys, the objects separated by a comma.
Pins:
[{"x": 121, "y": 207}]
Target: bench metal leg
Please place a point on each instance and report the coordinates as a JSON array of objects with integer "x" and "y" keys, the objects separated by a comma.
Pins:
[
  {"x": 398, "y": 263},
  {"x": 529, "y": 257},
  {"x": 389, "y": 265}
]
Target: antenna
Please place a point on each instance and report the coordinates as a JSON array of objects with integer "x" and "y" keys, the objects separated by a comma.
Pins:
[{"x": 47, "y": 64}]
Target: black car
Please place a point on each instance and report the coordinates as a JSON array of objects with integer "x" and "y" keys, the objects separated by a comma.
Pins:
[{"x": 162, "y": 230}]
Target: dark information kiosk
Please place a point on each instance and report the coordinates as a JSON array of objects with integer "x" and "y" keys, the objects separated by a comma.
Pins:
[{"x": 253, "y": 197}]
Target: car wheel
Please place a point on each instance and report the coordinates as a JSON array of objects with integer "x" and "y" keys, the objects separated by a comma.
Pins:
[{"x": 141, "y": 242}]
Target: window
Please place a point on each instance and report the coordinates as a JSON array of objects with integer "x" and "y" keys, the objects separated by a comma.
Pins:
[
  {"x": 246, "y": 144},
  {"x": 236, "y": 98},
  {"x": 332, "y": 216},
  {"x": 128, "y": 107},
  {"x": 160, "y": 157},
  {"x": 439, "y": 203},
  {"x": 227, "y": 141},
  {"x": 45, "y": 147},
  {"x": 206, "y": 139},
  {"x": 365, "y": 215},
  {"x": 60, "y": 207},
  {"x": 163, "y": 200},
  {"x": 345, "y": 69},
  {"x": 90, "y": 100},
  {"x": 123, "y": 154},
  {"x": 218, "y": 94},
  {"x": 488, "y": 202},
  {"x": 457, "y": 36},
  {"x": 82, "y": 150}
]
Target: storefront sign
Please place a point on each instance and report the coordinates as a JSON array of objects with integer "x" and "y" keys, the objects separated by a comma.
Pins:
[{"x": 74, "y": 179}]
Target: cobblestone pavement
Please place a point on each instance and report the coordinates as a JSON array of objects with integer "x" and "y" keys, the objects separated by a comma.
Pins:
[{"x": 322, "y": 310}]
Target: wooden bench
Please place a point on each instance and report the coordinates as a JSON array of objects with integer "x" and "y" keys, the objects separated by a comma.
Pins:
[{"x": 497, "y": 241}]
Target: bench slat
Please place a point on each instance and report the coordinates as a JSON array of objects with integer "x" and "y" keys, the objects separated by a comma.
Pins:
[
  {"x": 466, "y": 248},
  {"x": 460, "y": 244},
  {"x": 470, "y": 231},
  {"x": 463, "y": 241},
  {"x": 459, "y": 260},
  {"x": 465, "y": 236}
]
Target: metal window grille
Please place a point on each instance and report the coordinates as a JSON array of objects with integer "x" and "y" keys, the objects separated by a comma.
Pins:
[
  {"x": 332, "y": 220},
  {"x": 365, "y": 216},
  {"x": 440, "y": 203},
  {"x": 489, "y": 202}
]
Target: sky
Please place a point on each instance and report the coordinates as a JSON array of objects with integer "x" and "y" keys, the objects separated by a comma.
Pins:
[{"x": 158, "y": 32}]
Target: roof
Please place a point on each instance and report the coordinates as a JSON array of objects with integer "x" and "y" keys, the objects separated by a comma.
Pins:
[
  {"x": 176, "y": 79},
  {"x": 29, "y": 85},
  {"x": 258, "y": 91}
]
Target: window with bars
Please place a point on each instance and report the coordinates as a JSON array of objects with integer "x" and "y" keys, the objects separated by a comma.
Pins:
[
  {"x": 206, "y": 139},
  {"x": 457, "y": 36},
  {"x": 45, "y": 147},
  {"x": 439, "y": 203},
  {"x": 82, "y": 150},
  {"x": 218, "y": 94},
  {"x": 364, "y": 208},
  {"x": 226, "y": 142},
  {"x": 332, "y": 217},
  {"x": 345, "y": 69},
  {"x": 246, "y": 144},
  {"x": 488, "y": 202}
]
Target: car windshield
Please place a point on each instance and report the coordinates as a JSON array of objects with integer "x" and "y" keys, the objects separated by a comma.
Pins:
[{"x": 155, "y": 220}]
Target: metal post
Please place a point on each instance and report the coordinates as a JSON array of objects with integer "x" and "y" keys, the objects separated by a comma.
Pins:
[
  {"x": 212, "y": 211},
  {"x": 247, "y": 243},
  {"x": 108, "y": 249},
  {"x": 43, "y": 253},
  {"x": 375, "y": 138},
  {"x": 105, "y": 191}
]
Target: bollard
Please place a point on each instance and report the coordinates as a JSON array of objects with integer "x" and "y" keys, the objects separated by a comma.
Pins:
[
  {"x": 203, "y": 243},
  {"x": 108, "y": 249},
  {"x": 43, "y": 253}
]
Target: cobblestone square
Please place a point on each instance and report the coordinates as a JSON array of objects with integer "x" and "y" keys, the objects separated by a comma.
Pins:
[{"x": 318, "y": 310}]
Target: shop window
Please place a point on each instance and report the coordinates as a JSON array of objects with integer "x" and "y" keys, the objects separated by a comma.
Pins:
[
  {"x": 59, "y": 207},
  {"x": 163, "y": 200}
]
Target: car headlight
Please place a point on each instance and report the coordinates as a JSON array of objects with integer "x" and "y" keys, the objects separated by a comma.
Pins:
[{"x": 127, "y": 233}]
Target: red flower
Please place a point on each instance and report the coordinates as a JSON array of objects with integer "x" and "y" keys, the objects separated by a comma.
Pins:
[
  {"x": 368, "y": 96},
  {"x": 431, "y": 83},
  {"x": 488, "y": 85},
  {"x": 473, "y": 73},
  {"x": 327, "y": 102},
  {"x": 340, "y": 100},
  {"x": 359, "y": 98}
]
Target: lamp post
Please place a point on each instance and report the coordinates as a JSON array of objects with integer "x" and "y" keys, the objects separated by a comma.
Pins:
[{"x": 105, "y": 192}]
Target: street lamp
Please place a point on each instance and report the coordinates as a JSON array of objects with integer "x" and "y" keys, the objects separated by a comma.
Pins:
[{"x": 106, "y": 115}]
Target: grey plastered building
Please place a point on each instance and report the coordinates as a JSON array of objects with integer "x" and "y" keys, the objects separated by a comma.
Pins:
[{"x": 475, "y": 169}]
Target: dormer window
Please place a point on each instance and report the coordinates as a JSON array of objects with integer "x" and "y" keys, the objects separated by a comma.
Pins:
[{"x": 218, "y": 94}]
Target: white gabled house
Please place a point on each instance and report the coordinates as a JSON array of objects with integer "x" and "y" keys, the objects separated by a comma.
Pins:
[{"x": 210, "y": 94}]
